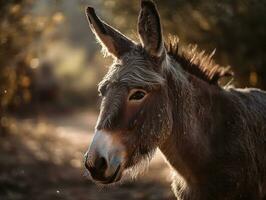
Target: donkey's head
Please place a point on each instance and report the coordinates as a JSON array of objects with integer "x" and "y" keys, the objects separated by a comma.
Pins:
[{"x": 135, "y": 116}]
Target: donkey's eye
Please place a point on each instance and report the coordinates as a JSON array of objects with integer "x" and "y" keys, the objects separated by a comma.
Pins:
[{"x": 137, "y": 95}]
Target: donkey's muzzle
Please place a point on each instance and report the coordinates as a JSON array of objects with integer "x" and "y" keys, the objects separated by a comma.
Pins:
[
  {"x": 98, "y": 172},
  {"x": 103, "y": 159}
]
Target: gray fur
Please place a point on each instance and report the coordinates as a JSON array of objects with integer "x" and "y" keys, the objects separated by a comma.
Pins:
[{"x": 213, "y": 138}]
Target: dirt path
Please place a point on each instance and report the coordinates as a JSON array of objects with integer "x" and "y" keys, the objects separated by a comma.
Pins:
[{"x": 42, "y": 160}]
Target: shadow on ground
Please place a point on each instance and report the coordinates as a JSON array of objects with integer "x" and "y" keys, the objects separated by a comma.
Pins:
[{"x": 42, "y": 159}]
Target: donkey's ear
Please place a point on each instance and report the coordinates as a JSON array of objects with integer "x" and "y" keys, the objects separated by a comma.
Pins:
[
  {"x": 112, "y": 40},
  {"x": 149, "y": 28}
]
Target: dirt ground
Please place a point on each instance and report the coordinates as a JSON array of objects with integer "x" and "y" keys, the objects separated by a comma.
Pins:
[{"x": 42, "y": 159}]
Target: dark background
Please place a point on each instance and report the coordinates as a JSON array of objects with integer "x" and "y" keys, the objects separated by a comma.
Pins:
[{"x": 50, "y": 65}]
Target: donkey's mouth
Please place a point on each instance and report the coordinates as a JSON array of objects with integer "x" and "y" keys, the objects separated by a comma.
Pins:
[{"x": 114, "y": 178}]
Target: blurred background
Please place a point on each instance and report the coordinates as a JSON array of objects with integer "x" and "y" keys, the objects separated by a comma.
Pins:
[{"x": 50, "y": 65}]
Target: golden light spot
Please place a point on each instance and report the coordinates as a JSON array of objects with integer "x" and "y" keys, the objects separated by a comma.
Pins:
[
  {"x": 58, "y": 17},
  {"x": 34, "y": 63},
  {"x": 15, "y": 9},
  {"x": 25, "y": 81},
  {"x": 253, "y": 78}
]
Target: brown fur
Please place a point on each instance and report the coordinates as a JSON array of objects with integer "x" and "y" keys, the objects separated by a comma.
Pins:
[{"x": 213, "y": 138}]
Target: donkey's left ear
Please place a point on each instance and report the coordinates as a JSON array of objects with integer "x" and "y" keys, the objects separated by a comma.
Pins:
[
  {"x": 149, "y": 29},
  {"x": 111, "y": 39}
]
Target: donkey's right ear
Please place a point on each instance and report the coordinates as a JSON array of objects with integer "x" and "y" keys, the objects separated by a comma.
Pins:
[
  {"x": 149, "y": 29},
  {"x": 111, "y": 40}
]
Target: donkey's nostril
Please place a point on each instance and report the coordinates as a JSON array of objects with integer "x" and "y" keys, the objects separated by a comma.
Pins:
[
  {"x": 101, "y": 164},
  {"x": 97, "y": 168}
]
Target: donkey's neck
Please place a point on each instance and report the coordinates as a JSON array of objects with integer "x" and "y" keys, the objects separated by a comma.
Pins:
[{"x": 192, "y": 103}]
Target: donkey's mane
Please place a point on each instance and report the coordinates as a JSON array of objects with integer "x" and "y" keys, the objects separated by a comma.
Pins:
[{"x": 196, "y": 62}]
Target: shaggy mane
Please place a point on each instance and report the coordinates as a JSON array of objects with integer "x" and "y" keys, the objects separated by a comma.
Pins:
[{"x": 197, "y": 62}]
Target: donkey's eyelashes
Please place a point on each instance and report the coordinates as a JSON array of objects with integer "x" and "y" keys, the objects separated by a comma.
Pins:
[{"x": 137, "y": 95}]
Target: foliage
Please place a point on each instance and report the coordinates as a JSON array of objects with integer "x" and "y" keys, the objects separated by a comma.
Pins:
[
  {"x": 236, "y": 29},
  {"x": 16, "y": 33},
  {"x": 20, "y": 30}
]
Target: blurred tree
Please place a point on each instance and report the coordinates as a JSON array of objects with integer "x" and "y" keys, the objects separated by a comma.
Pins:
[
  {"x": 19, "y": 29},
  {"x": 237, "y": 29}
]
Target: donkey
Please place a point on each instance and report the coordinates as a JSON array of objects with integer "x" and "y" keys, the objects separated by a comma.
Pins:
[{"x": 156, "y": 95}]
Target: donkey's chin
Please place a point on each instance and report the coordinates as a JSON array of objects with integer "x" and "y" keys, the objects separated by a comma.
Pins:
[{"x": 140, "y": 166}]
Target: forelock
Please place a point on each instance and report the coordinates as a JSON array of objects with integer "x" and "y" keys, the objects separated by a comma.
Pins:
[{"x": 134, "y": 70}]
